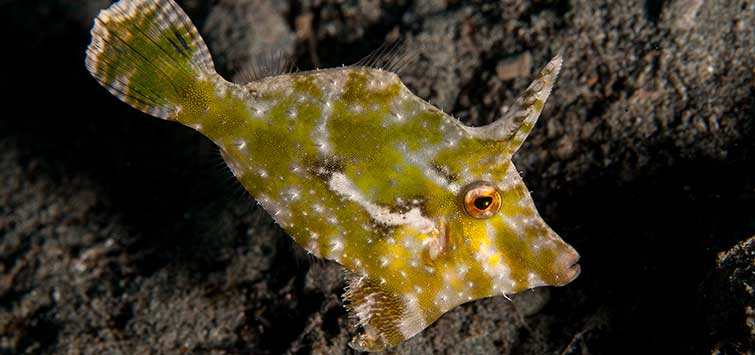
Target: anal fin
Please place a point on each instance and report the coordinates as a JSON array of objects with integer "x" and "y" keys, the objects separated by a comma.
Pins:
[{"x": 385, "y": 317}]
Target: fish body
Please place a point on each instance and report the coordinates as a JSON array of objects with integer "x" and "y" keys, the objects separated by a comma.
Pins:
[{"x": 425, "y": 212}]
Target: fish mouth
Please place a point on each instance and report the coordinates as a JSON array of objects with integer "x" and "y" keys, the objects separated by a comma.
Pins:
[
  {"x": 569, "y": 264},
  {"x": 573, "y": 271}
]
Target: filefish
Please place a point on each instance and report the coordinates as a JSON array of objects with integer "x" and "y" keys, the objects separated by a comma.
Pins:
[{"x": 424, "y": 212}]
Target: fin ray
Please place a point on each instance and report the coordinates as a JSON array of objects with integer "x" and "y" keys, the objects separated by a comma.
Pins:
[
  {"x": 385, "y": 318},
  {"x": 392, "y": 56},
  {"x": 272, "y": 64},
  {"x": 147, "y": 53}
]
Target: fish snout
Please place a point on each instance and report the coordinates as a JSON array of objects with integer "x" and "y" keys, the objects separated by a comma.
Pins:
[{"x": 567, "y": 266}]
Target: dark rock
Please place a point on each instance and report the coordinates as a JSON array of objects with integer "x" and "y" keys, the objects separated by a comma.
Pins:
[{"x": 735, "y": 302}]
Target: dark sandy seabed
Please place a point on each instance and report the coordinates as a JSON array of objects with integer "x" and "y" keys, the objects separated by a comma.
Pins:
[{"x": 125, "y": 234}]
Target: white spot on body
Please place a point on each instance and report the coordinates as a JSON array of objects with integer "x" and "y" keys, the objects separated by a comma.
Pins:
[
  {"x": 291, "y": 113},
  {"x": 313, "y": 247},
  {"x": 380, "y": 80},
  {"x": 533, "y": 280},
  {"x": 336, "y": 247},
  {"x": 262, "y": 108},
  {"x": 443, "y": 300},
  {"x": 384, "y": 261},
  {"x": 462, "y": 269},
  {"x": 291, "y": 194}
]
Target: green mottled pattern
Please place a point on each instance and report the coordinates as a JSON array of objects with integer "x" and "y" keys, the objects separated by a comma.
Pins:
[{"x": 354, "y": 167}]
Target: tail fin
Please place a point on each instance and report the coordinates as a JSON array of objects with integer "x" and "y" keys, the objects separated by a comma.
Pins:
[{"x": 148, "y": 54}]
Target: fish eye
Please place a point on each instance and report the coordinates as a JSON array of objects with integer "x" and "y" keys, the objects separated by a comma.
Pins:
[{"x": 481, "y": 200}]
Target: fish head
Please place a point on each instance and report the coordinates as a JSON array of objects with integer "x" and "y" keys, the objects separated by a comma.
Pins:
[
  {"x": 490, "y": 226},
  {"x": 497, "y": 227},
  {"x": 461, "y": 224}
]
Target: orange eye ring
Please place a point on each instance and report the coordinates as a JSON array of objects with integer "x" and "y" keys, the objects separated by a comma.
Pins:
[{"x": 482, "y": 200}]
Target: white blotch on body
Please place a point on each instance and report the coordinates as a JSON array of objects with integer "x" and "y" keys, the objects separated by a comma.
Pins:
[
  {"x": 413, "y": 319},
  {"x": 498, "y": 272},
  {"x": 343, "y": 186},
  {"x": 533, "y": 280},
  {"x": 421, "y": 159},
  {"x": 320, "y": 135}
]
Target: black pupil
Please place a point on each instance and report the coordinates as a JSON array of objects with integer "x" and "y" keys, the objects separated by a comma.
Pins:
[{"x": 482, "y": 203}]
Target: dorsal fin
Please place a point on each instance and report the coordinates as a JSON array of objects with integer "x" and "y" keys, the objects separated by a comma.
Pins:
[
  {"x": 515, "y": 124},
  {"x": 393, "y": 56},
  {"x": 271, "y": 64}
]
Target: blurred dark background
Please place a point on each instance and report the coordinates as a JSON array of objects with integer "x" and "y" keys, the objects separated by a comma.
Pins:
[{"x": 122, "y": 233}]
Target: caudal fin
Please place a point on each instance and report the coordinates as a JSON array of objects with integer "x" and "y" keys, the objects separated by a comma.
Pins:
[{"x": 148, "y": 54}]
